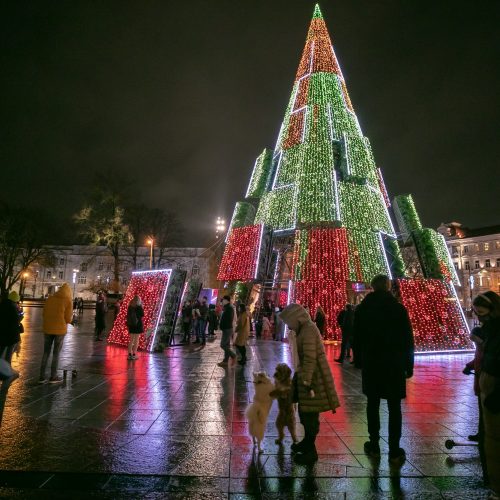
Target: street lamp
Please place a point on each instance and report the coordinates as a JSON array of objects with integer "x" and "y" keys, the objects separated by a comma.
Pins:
[
  {"x": 151, "y": 242},
  {"x": 23, "y": 285},
  {"x": 220, "y": 227}
]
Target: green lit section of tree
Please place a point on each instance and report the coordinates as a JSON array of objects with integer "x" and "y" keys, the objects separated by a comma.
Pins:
[
  {"x": 243, "y": 215},
  {"x": 366, "y": 255},
  {"x": 277, "y": 209},
  {"x": 406, "y": 215},
  {"x": 260, "y": 174}
]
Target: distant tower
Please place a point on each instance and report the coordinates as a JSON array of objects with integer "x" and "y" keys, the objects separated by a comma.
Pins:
[{"x": 315, "y": 226}]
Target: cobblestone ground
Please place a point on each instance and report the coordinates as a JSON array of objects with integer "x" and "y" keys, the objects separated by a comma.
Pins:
[{"x": 172, "y": 425}]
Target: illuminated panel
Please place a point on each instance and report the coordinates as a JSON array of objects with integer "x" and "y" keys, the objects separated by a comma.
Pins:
[
  {"x": 435, "y": 314},
  {"x": 260, "y": 175},
  {"x": 239, "y": 262},
  {"x": 151, "y": 287}
]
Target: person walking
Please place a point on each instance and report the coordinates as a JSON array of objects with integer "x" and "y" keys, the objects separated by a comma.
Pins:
[
  {"x": 487, "y": 308},
  {"x": 100, "y": 315},
  {"x": 201, "y": 327},
  {"x": 345, "y": 320},
  {"x": 314, "y": 386},
  {"x": 10, "y": 327},
  {"x": 187, "y": 320},
  {"x": 135, "y": 325},
  {"x": 384, "y": 351},
  {"x": 57, "y": 315},
  {"x": 226, "y": 325},
  {"x": 242, "y": 333}
]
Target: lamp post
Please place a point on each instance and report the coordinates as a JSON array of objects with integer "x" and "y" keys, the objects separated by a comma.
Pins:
[
  {"x": 151, "y": 242},
  {"x": 220, "y": 227},
  {"x": 23, "y": 285}
]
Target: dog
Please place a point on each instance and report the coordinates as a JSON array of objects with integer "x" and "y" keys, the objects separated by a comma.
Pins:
[
  {"x": 283, "y": 393},
  {"x": 258, "y": 411}
]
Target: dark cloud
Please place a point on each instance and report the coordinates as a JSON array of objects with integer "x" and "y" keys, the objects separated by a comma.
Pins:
[{"x": 182, "y": 96}]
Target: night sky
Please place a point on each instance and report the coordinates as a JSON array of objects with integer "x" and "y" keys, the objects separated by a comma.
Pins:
[{"x": 182, "y": 96}]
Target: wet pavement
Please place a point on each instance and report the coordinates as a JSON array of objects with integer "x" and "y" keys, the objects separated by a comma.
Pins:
[{"x": 172, "y": 425}]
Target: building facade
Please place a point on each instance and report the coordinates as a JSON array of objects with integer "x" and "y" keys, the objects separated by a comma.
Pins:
[
  {"x": 476, "y": 256},
  {"x": 88, "y": 268}
]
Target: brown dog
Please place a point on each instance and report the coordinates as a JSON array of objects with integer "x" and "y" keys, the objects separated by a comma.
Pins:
[{"x": 283, "y": 393}]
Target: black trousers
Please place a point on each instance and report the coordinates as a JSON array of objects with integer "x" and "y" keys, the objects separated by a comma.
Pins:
[
  {"x": 395, "y": 421},
  {"x": 243, "y": 353},
  {"x": 345, "y": 345},
  {"x": 310, "y": 421}
]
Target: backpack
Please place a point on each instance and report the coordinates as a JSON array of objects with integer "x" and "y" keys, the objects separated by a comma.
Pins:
[{"x": 131, "y": 318}]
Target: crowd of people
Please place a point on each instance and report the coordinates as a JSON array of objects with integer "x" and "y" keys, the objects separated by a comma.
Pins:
[{"x": 378, "y": 331}]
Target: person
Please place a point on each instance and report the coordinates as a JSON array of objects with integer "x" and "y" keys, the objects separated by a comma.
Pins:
[
  {"x": 314, "y": 386},
  {"x": 345, "y": 320},
  {"x": 226, "y": 325},
  {"x": 100, "y": 315},
  {"x": 116, "y": 311},
  {"x": 279, "y": 326},
  {"x": 213, "y": 320},
  {"x": 384, "y": 351},
  {"x": 75, "y": 304},
  {"x": 80, "y": 305},
  {"x": 57, "y": 315},
  {"x": 478, "y": 337},
  {"x": 242, "y": 333},
  {"x": 320, "y": 320},
  {"x": 201, "y": 327},
  {"x": 135, "y": 325},
  {"x": 196, "y": 315},
  {"x": 10, "y": 326},
  {"x": 187, "y": 320},
  {"x": 487, "y": 308},
  {"x": 266, "y": 327}
]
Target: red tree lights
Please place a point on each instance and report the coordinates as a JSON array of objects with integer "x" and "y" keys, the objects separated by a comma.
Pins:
[
  {"x": 435, "y": 314},
  {"x": 239, "y": 261},
  {"x": 151, "y": 287}
]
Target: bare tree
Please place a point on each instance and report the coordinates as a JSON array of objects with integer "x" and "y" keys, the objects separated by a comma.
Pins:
[
  {"x": 167, "y": 232},
  {"x": 23, "y": 232}
]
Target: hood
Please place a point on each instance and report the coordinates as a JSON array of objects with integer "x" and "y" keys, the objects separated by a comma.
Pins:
[
  {"x": 64, "y": 292},
  {"x": 295, "y": 316}
]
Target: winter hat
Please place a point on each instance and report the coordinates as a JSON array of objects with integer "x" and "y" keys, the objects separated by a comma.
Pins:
[{"x": 14, "y": 296}]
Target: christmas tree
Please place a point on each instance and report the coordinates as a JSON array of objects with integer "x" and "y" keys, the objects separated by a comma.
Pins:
[{"x": 316, "y": 227}]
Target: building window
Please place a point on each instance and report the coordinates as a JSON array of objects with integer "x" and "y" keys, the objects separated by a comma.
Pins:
[
  {"x": 139, "y": 265},
  {"x": 196, "y": 270},
  {"x": 466, "y": 249},
  {"x": 476, "y": 247},
  {"x": 486, "y": 247},
  {"x": 83, "y": 267},
  {"x": 49, "y": 274},
  {"x": 100, "y": 266},
  {"x": 467, "y": 265},
  {"x": 476, "y": 264},
  {"x": 61, "y": 262},
  {"x": 498, "y": 262},
  {"x": 497, "y": 244},
  {"x": 487, "y": 263},
  {"x": 61, "y": 275},
  {"x": 82, "y": 279},
  {"x": 108, "y": 267},
  {"x": 456, "y": 266},
  {"x": 454, "y": 250}
]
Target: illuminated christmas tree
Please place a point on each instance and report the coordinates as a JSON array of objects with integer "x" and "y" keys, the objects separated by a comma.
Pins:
[{"x": 316, "y": 223}]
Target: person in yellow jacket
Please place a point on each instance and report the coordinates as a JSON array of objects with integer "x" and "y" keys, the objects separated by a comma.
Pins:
[{"x": 57, "y": 314}]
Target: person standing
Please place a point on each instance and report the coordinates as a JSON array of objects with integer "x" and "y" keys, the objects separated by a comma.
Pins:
[
  {"x": 80, "y": 305},
  {"x": 266, "y": 327},
  {"x": 345, "y": 320},
  {"x": 242, "y": 333},
  {"x": 10, "y": 326},
  {"x": 487, "y": 308},
  {"x": 57, "y": 315},
  {"x": 384, "y": 351},
  {"x": 213, "y": 320},
  {"x": 314, "y": 386},
  {"x": 135, "y": 325},
  {"x": 100, "y": 315},
  {"x": 320, "y": 320},
  {"x": 202, "y": 322},
  {"x": 187, "y": 319},
  {"x": 279, "y": 326},
  {"x": 226, "y": 325}
]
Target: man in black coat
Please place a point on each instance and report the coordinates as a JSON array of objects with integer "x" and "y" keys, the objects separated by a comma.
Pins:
[{"x": 384, "y": 351}]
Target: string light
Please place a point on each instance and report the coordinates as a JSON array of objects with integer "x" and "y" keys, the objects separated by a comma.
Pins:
[
  {"x": 151, "y": 287},
  {"x": 239, "y": 262},
  {"x": 260, "y": 175},
  {"x": 406, "y": 215},
  {"x": 435, "y": 315},
  {"x": 243, "y": 215}
]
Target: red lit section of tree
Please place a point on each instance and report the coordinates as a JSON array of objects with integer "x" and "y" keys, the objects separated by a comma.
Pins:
[{"x": 239, "y": 261}]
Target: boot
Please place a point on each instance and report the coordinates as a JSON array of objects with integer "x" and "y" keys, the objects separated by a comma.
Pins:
[{"x": 308, "y": 456}]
